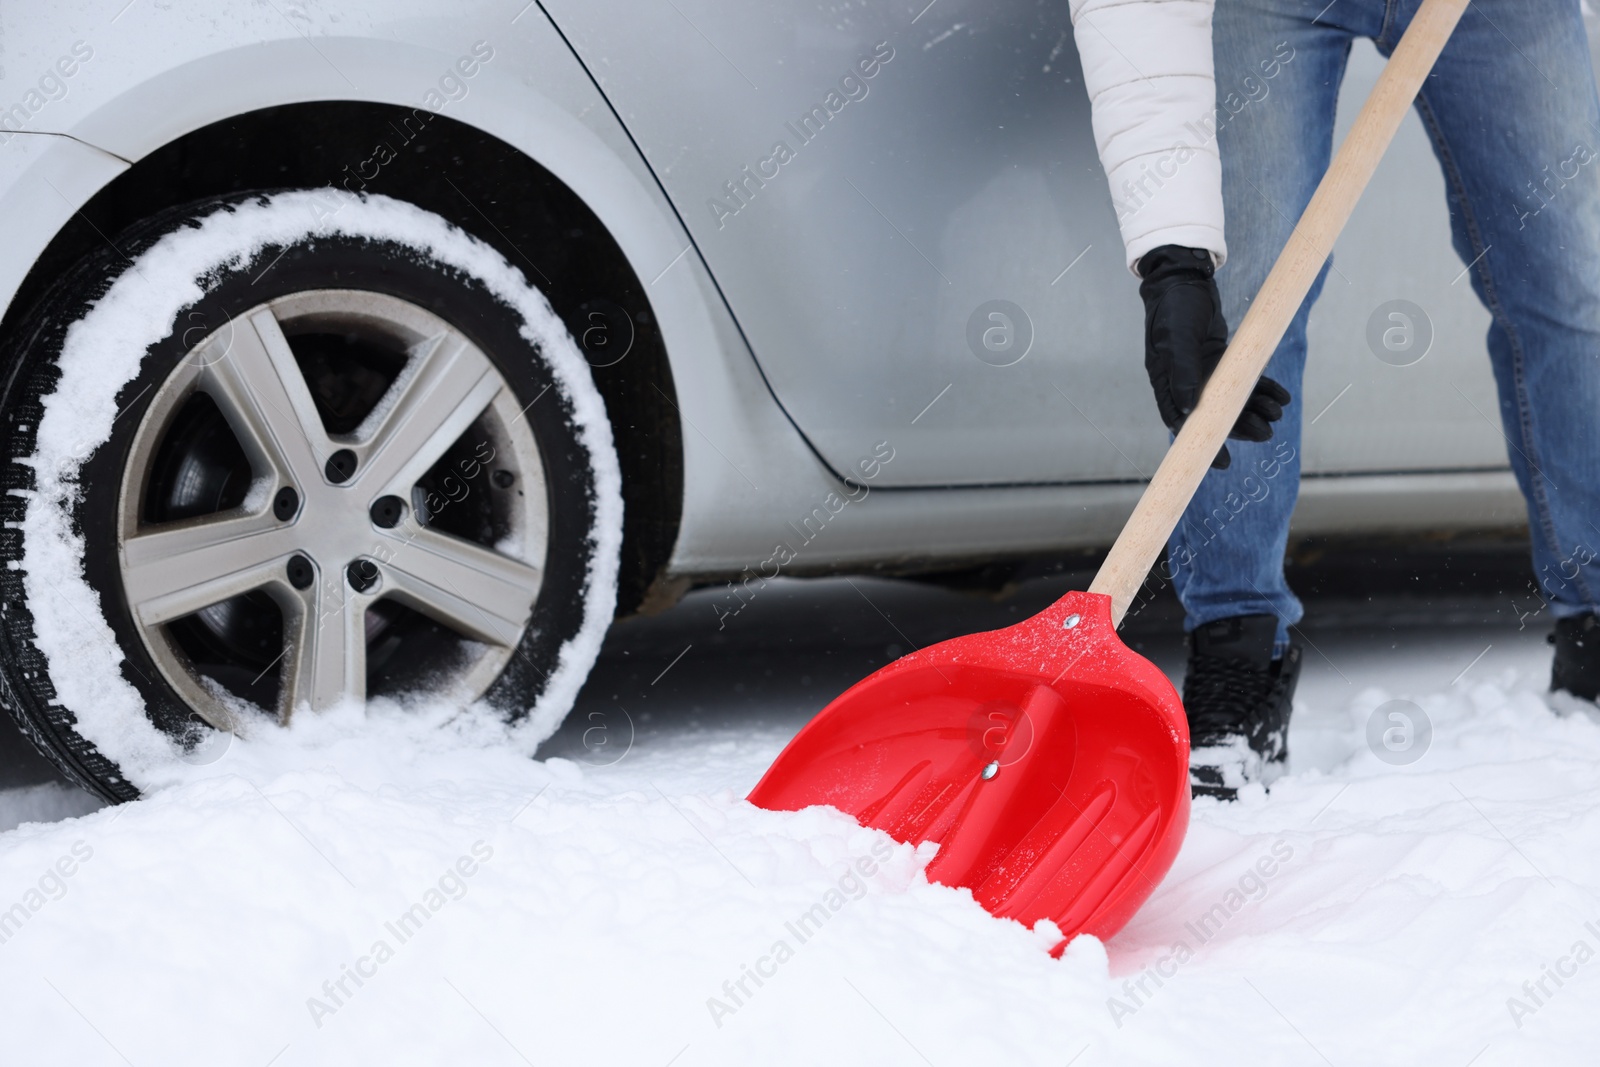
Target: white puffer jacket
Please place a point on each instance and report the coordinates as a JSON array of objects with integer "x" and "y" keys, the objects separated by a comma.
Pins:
[{"x": 1147, "y": 66}]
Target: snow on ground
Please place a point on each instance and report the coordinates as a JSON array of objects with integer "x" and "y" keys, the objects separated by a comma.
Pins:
[{"x": 401, "y": 891}]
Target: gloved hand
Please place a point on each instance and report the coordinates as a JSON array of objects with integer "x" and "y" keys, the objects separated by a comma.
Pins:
[{"x": 1184, "y": 338}]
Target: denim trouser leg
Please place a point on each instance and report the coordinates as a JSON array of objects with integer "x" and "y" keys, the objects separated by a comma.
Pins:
[
  {"x": 1278, "y": 76},
  {"x": 1515, "y": 122},
  {"x": 1500, "y": 109}
]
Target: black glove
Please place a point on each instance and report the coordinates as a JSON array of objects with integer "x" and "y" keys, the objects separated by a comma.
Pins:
[{"x": 1184, "y": 338}]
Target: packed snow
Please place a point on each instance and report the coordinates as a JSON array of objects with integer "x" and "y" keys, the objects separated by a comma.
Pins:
[{"x": 407, "y": 889}]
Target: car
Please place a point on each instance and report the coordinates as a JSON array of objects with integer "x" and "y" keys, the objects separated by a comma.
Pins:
[{"x": 362, "y": 351}]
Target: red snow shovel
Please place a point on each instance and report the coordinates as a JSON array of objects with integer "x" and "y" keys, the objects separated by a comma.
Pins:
[{"x": 1048, "y": 761}]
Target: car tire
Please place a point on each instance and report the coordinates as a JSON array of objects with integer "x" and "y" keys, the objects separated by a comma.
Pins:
[{"x": 273, "y": 455}]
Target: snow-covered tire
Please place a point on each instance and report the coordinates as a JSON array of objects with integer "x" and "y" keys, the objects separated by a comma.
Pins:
[{"x": 146, "y": 410}]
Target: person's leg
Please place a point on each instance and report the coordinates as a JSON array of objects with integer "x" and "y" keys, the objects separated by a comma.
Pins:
[
  {"x": 1278, "y": 69},
  {"x": 1515, "y": 121}
]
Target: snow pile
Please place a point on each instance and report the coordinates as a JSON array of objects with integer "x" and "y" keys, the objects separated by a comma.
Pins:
[
  {"x": 398, "y": 900},
  {"x": 103, "y": 351},
  {"x": 1392, "y": 913},
  {"x": 399, "y": 891}
]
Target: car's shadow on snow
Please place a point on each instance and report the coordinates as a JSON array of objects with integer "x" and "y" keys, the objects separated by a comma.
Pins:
[
  {"x": 723, "y": 662},
  {"x": 717, "y": 662},
  {"x": 761, "y": 661}
]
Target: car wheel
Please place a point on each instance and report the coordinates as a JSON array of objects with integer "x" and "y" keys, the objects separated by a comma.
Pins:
[{"x": 276, "y": 456}]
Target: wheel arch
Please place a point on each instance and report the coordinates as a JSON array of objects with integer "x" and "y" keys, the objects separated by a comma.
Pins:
[{"x": 482, "y": 184}]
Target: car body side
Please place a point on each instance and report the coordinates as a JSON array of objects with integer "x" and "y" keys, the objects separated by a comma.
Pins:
[{"x": 769, "y": 425}]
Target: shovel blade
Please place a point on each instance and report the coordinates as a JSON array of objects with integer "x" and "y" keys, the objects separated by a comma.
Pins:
[{"x": 1047, "y": 760}]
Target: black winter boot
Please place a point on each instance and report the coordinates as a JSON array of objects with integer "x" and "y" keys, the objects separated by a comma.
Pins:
[
  {"x": 1576, "y": 668},
  {"x": 1238, "y": 699}
]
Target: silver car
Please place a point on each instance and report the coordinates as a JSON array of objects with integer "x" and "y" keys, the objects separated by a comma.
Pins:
[{"x": 380, "y": 351}]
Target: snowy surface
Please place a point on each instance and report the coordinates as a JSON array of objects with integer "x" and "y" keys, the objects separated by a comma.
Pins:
[{"x": 618, "y": 897}]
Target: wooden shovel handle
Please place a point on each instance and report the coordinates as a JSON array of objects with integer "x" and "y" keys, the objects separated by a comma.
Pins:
[{"x": 1186, "y": 462}]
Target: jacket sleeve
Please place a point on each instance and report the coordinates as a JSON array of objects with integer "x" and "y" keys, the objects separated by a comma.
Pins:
[{"x": 1147, "y": 66}]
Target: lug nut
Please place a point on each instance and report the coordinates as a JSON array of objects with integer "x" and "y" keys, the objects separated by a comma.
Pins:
[
  {"x": 301, "y": 572},
  {"x": 341, "y": 465},
  {"x": 362, "y": 574},
  {"x": 387, "y": 511},
  {"x": 286, "y": 503},
  {"x": 504, "y": 479}
]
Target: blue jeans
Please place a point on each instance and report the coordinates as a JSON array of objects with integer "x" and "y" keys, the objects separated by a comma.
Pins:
[{"x": 1512, "y": 94}]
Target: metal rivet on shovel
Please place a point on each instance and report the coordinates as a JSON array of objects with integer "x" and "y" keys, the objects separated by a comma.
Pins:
[
  {"x": 1083, "y": 836},
  {"x": 991, "y": 770},
  {"x": 1071, "y": 620}
]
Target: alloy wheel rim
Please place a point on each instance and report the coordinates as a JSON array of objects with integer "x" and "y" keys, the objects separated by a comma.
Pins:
[{"x": 415, "y": 528}]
